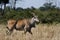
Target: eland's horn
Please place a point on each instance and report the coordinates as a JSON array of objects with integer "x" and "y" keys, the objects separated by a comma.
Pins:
[{"x": 33, "y": 14}]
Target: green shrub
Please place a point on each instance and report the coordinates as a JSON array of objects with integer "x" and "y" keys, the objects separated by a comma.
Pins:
[{"x": 48, "y": 16}]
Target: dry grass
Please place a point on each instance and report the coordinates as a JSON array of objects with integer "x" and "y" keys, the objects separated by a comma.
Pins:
[{"x": 41, "y": 32}]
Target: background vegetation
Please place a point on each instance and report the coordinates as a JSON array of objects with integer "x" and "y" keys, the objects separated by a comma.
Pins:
[{"x": 48, "y": 13}]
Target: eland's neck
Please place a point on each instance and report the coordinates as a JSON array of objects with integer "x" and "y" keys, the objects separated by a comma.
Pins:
[{"x": 32, "y": 21}]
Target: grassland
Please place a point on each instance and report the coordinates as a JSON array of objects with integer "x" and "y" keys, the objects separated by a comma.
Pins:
[{"x": 41, "y": 32}]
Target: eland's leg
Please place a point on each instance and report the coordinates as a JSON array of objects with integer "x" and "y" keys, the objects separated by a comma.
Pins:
[
  {"x": 26, "y": 29},
  {"x": 29, "y": 30},
  {"x": 9, "y": 31}
]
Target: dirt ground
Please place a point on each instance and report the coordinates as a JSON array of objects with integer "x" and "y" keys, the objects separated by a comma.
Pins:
[{"x": 41, "y": 32}]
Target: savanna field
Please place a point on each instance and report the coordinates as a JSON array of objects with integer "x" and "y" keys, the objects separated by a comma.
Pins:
[
  {"x": 41, "y": 32},
  {"x": 46, "y": 30}
]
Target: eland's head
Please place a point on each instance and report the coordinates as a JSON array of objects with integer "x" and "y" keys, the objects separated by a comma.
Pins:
[{"x": 35, "y": 18}]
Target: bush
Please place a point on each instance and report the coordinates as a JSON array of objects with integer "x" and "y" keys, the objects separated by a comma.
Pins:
[{"x": 48, "y": 16}]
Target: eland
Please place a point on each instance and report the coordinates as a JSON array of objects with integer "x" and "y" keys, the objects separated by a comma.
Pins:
[{"x": 22, "y": 24}]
